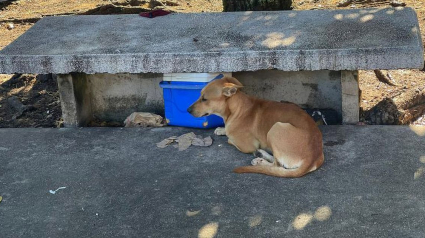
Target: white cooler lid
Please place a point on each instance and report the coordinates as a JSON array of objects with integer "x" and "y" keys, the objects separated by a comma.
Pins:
[{"x": 192, "y": 77}]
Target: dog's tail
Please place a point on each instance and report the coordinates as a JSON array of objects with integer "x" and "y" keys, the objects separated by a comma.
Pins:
[
  {"x": 271, "y": 170},
  {"x": 279, "y": 171}
]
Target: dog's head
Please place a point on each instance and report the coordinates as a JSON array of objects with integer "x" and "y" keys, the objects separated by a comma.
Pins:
[{"x": 214, "y": 97}]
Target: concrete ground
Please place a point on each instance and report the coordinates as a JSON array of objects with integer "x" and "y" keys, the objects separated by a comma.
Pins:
[{"x": 119, "y": 184}]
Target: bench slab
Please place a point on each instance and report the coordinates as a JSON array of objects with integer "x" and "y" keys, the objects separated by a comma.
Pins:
[{"x": 219, "y": 42}]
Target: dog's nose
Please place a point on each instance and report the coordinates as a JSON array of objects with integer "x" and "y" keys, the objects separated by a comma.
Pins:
[{"x": 189, "y": 110}]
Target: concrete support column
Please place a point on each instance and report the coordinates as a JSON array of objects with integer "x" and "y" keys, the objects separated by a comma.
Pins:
[
  {"x": 68, "y": 102},
  {"x": 350, "y": 97},
  {"x": 75, "y": 99}
]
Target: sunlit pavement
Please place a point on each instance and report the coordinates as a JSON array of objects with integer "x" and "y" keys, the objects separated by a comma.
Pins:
[{"x": 114, "y": 182}]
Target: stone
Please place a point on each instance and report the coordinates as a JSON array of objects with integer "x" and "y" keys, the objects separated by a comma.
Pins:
[
  {"x": 348, "y": 39},
  {"x": 16, "y": 105},
  {"x": 10, "y": 26}
]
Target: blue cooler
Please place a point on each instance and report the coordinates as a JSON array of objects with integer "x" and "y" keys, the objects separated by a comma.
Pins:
[{"x": 178, "y": 96}]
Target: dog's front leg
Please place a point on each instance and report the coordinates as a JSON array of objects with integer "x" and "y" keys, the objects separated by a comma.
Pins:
[{"x": 220, "y": 131}]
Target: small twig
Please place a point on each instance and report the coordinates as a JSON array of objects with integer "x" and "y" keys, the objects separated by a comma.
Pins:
[{"x": 382, "y": 78}]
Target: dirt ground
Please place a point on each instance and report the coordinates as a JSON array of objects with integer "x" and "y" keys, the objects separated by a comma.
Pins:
[{"x": 33, "y": 101}]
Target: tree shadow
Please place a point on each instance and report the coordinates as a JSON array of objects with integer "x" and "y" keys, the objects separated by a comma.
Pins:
[
  {"x": 249, "y": 5},
  {"x": 5, "y": 4},
  {"x": 111, "y": 9}
]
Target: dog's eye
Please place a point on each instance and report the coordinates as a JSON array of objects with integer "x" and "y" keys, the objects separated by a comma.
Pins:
[{"x": 203, "y": 99}]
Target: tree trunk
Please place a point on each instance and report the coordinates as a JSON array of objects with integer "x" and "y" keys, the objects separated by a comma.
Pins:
[{"x": 256, "y": 5}]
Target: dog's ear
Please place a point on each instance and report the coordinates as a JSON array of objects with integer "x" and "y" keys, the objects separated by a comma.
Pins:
[
  {"x": 229, "y": 89},
  {"x": 233, "y": 80}
]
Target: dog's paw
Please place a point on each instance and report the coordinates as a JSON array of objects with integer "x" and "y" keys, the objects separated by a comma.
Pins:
[
  {"x": 220, "y": 131},
  {"x": 259, "y": 161},
  {"x": 263, "y": 154}
]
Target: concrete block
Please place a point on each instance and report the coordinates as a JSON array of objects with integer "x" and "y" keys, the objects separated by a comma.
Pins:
[
  {"x": 348, "y": 39},
  {"x": 350, "y": 97}
]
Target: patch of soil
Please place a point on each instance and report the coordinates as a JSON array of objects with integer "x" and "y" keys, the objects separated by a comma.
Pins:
[{"x": 29, "y": 101}]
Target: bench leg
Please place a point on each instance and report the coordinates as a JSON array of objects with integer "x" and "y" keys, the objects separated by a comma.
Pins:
[
  {"x": 350, "y": 97},
  {"x": 75, "y": 99}
]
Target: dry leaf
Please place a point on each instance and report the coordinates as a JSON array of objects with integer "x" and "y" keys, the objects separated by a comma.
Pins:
[{"x": 144, "y": 119}]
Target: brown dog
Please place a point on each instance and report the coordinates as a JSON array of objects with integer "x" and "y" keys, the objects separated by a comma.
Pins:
[{"x": 253, "y": 124}]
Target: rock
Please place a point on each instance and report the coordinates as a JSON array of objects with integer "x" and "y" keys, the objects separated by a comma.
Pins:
[
  {"x": 10, "y": 26},
  {"x": 137, "y": 2},
  {"x": 42, "y": 92},
  {"x": 397, "y": 4},
  {"x": 155, "y": 3},
  {"x": 344, "y": 3},
  {"x": 16, "y": 106},
  {"x": 172, "y": 3}
]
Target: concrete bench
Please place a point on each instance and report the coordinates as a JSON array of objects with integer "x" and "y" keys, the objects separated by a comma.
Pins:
[{"x": 110, "y": 66}]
